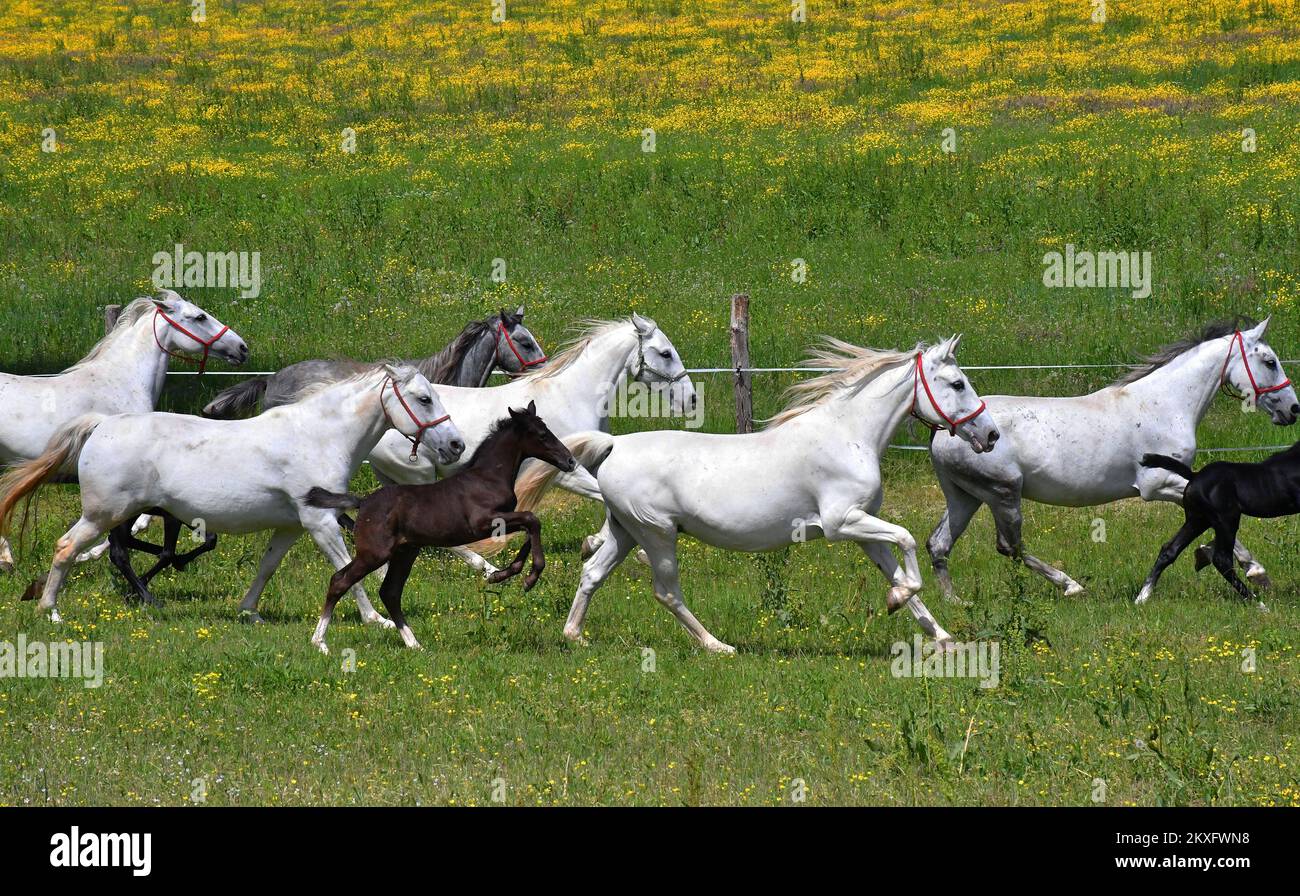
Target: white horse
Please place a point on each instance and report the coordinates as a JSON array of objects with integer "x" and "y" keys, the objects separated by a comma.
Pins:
[
  {"x": 814, "y": 471},
  {"x": 235, "y": 475},
  {"x": 122, "y": 374},
  {"x": 573, "y": 393},
  {"x": 1087, "y": 450}
]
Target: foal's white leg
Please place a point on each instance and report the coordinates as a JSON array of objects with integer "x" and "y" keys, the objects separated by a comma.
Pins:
[
  {"x": 82, "y": 533},
  {"x": 281, "y": 541},
  {"x": 594, "y": 573},
  {"x": 6, "y": 556},
  {"x": 325, "y": 531}
]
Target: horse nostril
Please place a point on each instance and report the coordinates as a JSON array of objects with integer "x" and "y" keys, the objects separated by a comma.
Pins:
[
  {"x": 458, "y": 446},
  {"x": 993, "y": 436},
  {"x": 1295, "y": 410}
]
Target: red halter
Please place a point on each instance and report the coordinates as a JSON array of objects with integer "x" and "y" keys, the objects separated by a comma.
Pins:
[
  {"x": 952, "y": 424},
  {"x": 207, "y": 344},
  {"x": 1240, "y": 343},
  {"x": 420, "y": 427},
  {"x": 502, "y": 332}
]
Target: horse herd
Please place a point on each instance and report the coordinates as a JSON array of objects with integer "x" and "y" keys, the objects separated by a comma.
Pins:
[{"x": 463, "y": 462}]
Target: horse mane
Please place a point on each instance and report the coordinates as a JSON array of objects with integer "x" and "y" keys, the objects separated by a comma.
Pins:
[
  {"x": 852, "y": 369},
  {"x": 322, "y": 385},
  {"x": 443, "y": 366},
  {"x": 125, "y": 320},
  {"x": 588, "y": 329},
  {"x": 1212, "y": 330},
  {"x": 494, "y": 434}
]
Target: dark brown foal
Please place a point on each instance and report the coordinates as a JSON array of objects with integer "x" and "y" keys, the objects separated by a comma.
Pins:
[{"x": 478, "y": 502}]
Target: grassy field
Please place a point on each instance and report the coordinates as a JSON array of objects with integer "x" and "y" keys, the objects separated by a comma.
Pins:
[{"x": 773, "y": 141}]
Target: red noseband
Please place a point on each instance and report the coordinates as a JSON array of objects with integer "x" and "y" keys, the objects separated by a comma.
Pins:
[
  {"x": 503, "y": 333},
  {"x": 920, "y": 381},
  {"x": 420, "y": 427},
  {"x": 1239, "y": 342},
  {"x": 207, "y": 344}
]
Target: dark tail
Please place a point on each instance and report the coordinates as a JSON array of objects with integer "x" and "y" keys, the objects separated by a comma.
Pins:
[
  {"x": 1168, "y": 463},
  {"x": 237, "y": 400},
  {"x": 319, "y": 497}
]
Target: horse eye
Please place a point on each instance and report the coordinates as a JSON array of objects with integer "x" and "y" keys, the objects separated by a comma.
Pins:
[
  {"x": 1270, "y": 364},
  {"x": 424, "y": 399},
  {"x": 200, "y": 317},
  {"x": 666, "y": 353},
  {"x": 959, "y": 386}
]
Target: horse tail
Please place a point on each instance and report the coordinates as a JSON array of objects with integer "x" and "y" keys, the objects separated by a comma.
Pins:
[
  {"x": 589, "y": 447},
  {"x": 319, "y": 497},
  {"x": 237, "y": 400},
  {"x": 61, "y": 455},
  {"x": 1165, "y": 462}
]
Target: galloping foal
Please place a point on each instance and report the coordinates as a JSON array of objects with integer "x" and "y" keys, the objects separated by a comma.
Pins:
[
  {"x": 477, "y": 502},
  {"x": 1217, "y": 497}
]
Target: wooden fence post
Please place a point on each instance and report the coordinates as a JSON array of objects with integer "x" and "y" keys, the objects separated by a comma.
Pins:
[
  {"x": 740, "y": 362},
  {"x": 111, "y": 314}
]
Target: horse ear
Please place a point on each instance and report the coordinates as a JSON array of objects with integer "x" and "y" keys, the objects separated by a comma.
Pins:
[
  {"x": 505, "y": 317},
  {"x": 1257, "y": 332},
  {"x": 644, "y": 325},
  {"x": 532, "y": 408},
  {"x": 952, "y": 345},
  {"x": 514, "y": 415},
  {"x": 166, "y": 300},
  {"x": 519, "y": 314}
]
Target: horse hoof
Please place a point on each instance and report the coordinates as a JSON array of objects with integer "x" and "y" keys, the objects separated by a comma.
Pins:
[
  {"x": 719, "y": 648},
  {"x": 1073, "y": 589},
  {"x": 1259, "y": 579},
  {"x": 1262, "y": 607},
  {"x": 489, "y": 571},
  {"x": 321, "y": 646},
  {"x": 6, "y": 566},
  {"x": 898, "y": 598},
  {"x": 381, "y": 621},
  {"x": 250, "y": 617},
  {"x": 498, "y": 576},
  {"x": 1202, "y": 558},
  {"x": 575, "y": 637}
]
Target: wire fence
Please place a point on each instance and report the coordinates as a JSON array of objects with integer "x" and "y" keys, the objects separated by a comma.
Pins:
[{"x": 810, "y": 370}]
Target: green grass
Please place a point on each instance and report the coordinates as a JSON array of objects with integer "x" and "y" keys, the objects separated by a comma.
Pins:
[{"x": 773, "y": 143}]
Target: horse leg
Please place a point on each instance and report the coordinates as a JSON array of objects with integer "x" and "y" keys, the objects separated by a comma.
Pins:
[
  {"x": 74, "y": 541},
  {"x": 962, "y": 506},
  {"x": 1225, "y": 535},
  {"x": 1008, "y": 518},
  {"x": 874, "y": 536},
  {"x": 476, "y": 561},
  {"x": 166, "y": 554},
  {"x": 120, "y": 556},
  {"x": 514, "y": 568},
  {"x": 399, "y": 569},
  {"x": 1169, "y": 553},
  {"x": 344, "y": 578},
  {"x": 281, "y": 541},
  {"x": 595, "y": 571},
  {"x": 1254, "y": 570},
  {"x": 662, "y": 549},
  {"x": 6, "y": 556},
  {"x": 325, "y": 532},
  {"x": 1158, "y": 485},
  {"x": 141, "y": 523}
]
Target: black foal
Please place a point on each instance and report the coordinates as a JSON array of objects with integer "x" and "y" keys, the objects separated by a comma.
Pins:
[
  {"x": 478, "y": 502},
  {"x": 121, "y": 543},
  {"x": 1217, "y": 497}
]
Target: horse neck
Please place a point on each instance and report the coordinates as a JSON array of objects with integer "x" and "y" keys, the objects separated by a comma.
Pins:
[
  {"x": 349, "y": 414},
  {"x": 135, "y": 362},
  {"x": 874, "y": 414},
  {"x": 478, "y": 361},
  {"x": 499, "y": 458},
  {"x": 1189, "y": 380},
  {"x": 603, "y": 362}
]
